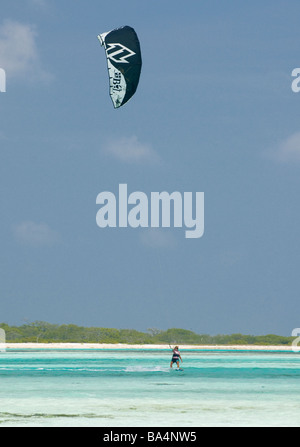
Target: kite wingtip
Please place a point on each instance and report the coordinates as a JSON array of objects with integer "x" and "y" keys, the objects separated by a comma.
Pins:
[{"x": 101, "y": 38}]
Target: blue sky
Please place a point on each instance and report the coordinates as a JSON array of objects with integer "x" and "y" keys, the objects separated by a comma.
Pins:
[{"x": 214, "y": 112}]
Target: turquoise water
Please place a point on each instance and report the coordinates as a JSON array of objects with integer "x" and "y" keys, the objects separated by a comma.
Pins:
[{"x": 138, "y": 389}]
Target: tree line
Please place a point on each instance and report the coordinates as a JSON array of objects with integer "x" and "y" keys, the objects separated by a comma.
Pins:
[{"x": 42, "y": 332}]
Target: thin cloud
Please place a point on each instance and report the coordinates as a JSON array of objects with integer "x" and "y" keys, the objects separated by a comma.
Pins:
[
  {"x": 157, "y": 238},
  {"x": 230, "y": 258},
  {"x": 287, "y": 151},
  {"x": 41, "y": 6},
  {"x": 38, "y": 3},
  {"x": 35, "y": 234},
  {"x": 19, "y": 54},
  {"x": 131, "y": 150}
]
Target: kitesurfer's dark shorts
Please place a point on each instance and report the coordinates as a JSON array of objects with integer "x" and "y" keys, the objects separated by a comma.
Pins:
[{"x": 175, "y": 359}]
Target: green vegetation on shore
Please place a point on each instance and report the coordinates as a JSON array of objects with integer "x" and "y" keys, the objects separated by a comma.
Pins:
[{"x": 42, "y": 332}]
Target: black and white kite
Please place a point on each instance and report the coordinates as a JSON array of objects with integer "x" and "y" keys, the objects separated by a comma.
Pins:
[{"x": 124, "y": 63}]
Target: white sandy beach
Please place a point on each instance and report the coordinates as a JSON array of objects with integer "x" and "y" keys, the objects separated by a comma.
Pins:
[{"x": 116, "y": 346}]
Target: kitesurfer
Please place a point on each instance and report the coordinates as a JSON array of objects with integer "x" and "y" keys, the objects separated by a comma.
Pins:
[{"x": 175, "y": 357}]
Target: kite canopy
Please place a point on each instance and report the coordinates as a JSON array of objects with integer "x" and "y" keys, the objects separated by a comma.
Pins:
[{"x": 124, "y": 63}]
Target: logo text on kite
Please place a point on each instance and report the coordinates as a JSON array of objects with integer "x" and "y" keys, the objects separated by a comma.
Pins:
[
  {"x": 119, "y": 53},
  {"x": 2, "y": 81}
]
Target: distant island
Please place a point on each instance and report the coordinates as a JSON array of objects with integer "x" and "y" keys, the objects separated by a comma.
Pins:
[{"x": 42, "y": 332}]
